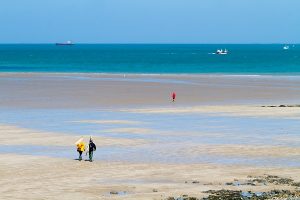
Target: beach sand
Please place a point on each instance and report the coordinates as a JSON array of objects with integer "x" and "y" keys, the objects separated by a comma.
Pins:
[
  {"x": 27, "y": 175},
  {"x": 31, "y": 177}
]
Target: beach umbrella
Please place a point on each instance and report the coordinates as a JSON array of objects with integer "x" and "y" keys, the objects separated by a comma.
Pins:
[{"x": 79, "y": 141}]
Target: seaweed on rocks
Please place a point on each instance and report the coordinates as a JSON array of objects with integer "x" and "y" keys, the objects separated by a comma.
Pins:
[
  {"x": 239, "y": 195},
  {"x": 114, "y": 192},
  {"x": 224, "y": 195},
  {"x": 274, "y": 180},
  {"x": 170, "y": 198},
  {"x": 297, "y": 184},
  {"x": 249, "y": 195},
  {"x": 275, "y": 194},
  {"x": 183, "y": 197},
  {"x": 282, "y": 106}
]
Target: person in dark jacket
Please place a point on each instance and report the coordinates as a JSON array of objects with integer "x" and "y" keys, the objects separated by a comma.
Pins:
[{"x": 92, "y": 148}]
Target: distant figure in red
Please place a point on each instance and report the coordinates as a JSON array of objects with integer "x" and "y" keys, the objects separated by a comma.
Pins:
[{"x": 173, "y": 96}]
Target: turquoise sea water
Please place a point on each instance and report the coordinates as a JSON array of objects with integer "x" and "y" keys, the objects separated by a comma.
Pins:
[{"x": 109, "y": 58}]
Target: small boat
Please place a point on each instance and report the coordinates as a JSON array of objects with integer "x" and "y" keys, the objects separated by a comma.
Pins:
[
  {"x": 69, "y": 42},
  {"x": 221, "y": 52},
  {"x": 286, "y": 47}
]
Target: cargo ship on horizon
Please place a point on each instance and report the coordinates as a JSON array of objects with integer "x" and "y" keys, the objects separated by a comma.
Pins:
[{"x": 69, "y": 42}]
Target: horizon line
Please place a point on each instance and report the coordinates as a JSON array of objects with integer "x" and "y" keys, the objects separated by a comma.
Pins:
[{"x": 146, "y": 43}]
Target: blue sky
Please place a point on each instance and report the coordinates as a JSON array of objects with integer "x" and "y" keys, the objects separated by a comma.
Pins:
[{"x": 150, "y": 21}]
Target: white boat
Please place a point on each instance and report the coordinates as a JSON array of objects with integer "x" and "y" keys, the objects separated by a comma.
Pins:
[
  {"x": 221, "y": 52},
  {"x": 286, "y": 47}
]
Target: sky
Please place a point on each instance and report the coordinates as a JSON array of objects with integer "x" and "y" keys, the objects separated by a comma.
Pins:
[{"x": 150, "y": 21}]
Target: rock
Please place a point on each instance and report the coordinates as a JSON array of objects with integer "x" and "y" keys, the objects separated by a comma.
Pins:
[
  {"x": 239, "y": 195},
  {"x": 290, "y": 106},
  {"x": 297, "y": 184},
  {"x": 192, "y": 198},
  {"x": 114, "y": 192},
  {"x": 224, "y": 195},
  {"x": 170, "y": 198},
  {"x": 186, "y": 197},
  {"x": 249, "y": 195},
  {"x": 183, "y": 197},
  {"x": 278, "y": 181},
  {"x": 252, "y": 184}
]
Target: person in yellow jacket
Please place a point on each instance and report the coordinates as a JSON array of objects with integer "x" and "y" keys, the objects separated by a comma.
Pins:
[{"x": 80, "y": 148}]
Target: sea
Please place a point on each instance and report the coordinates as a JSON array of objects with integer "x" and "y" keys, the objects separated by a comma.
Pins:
[{"x": 151, "y": 58}]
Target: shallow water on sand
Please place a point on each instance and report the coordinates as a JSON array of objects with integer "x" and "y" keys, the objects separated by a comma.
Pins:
[
  {"x": 147, "y": 154},
  {"x": 167, "y": 135}
]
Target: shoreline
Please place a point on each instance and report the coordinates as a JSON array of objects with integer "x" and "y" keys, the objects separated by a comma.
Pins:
[{"x": 263, "y": 75}]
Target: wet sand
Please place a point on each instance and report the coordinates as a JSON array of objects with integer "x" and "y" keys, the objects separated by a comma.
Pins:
[
  {"x": 12, "y": 135},
  {"x": 96, "y": 90},
  {"x": 137, "y": 114},
  {"x": 226, "y": 110}
]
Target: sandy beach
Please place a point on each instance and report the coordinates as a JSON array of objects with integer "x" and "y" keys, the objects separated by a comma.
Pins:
[
  {"x": 30, "y": 177},
  {"x": 215, "y": 135}
]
